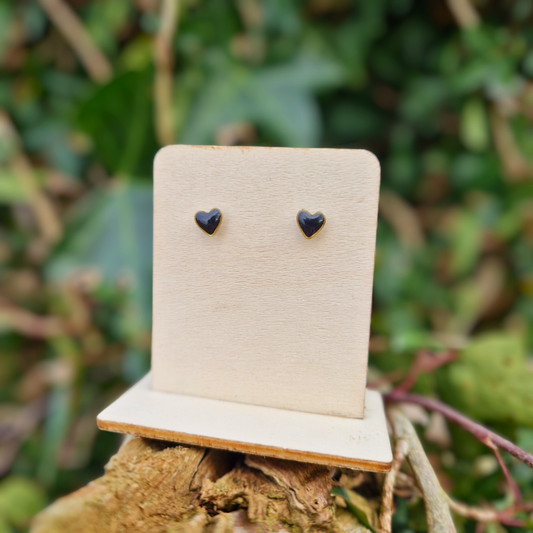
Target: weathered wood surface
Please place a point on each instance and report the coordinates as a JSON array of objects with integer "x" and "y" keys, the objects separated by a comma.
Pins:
[
  {"x": 154, "y": 487},
  {"x": 159, "y": 487}
]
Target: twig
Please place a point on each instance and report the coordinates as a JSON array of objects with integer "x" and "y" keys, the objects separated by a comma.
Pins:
[
  {"x": 514, "y": 163},
  {"x": 24, "y": 422},
  {"x": 425, "y": 361},
  {"x": 408, "y": 484},
  {"x": 517, "y": 496},
  {"x": 387, "y": 504},
  {"x": 480, "y": 527},
  {"x": 480, "y": 432},
  {"x": 73, "y": 30},
  {"x": 480, "y": 514},
  {"x": 438, "y": 515},
  {"x": 251, "y": 13},
  {"x": 45, "y": 214},
  {"x": 464, "y": 13},
  {"x": 15, "y": 430},
  {"x": 402, "y": 449},
  {"x": 33, "y": 326},
  {"x": 403, "y": 219},
  {"x": 164, "y": 62}
]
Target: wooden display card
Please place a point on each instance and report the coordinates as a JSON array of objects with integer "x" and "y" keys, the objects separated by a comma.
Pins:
[{"x": 257, "y": 313}]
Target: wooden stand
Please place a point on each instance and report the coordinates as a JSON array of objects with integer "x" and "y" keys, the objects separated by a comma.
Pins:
[
  {"x": 329, "y": 440},
  {"x": 260, "y": 335}
]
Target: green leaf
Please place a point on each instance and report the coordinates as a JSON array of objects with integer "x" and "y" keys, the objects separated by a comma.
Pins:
[
  {"x": 105, "y": 20},
  {"x": 20, "y": 500},
  {"x": 11, "y": 190},
  {"x": 6, "y": 19},
  {"x": 491, "y": 380},
  {"x": 118, "y": 118},
  {"x": 307, "y": 72},
  {"x": 466, "y": 239},
  {"x": 423, "y": 99},
  {"x": 224, "y": 100},
  {"x": 278, "y": 100},
  {"x": 289, "y": 114},
  {"x": 474, "y": 126},
  {"x": 58, "y": 417},
  {"x": 112, "y": 233},
  {"x": 357, "y": 505},
  {"x": 354, "y": 37}
]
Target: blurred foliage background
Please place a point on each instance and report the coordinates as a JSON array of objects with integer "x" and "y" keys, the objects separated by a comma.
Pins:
[{"x": 441, "y": 91}]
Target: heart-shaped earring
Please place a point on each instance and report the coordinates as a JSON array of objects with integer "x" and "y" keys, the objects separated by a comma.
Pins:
[
  {"x": 309, "y": 224},
  {"x": 209, "y": 222}
]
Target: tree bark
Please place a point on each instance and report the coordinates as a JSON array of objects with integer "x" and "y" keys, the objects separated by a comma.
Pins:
[
  {"x": 152, "y": 486},
  {"x": 161, "y": 487}
]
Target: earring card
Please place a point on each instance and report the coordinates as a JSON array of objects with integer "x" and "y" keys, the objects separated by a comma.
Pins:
[{"x": 257, "y": 313}]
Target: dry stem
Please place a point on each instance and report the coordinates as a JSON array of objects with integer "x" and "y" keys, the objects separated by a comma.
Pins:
[
  {"x": 403, "y": 219},
  {"x": 73, "y": 30},
  {"x": 425, "y": 361},
  {"x": 164, "y": 61},
  {"x": 31, "y": 325},
  {"x": 515, "y": 165},
  {"x": 517, "y": 496},
  {"x": 483, "y": 515},
  {"x": 438, "y": 515},
  {"x": 387, "y": 491},
  {"x": 464, "y": 13},
  {"x": 480, "y": 432},
  {"x": 45, "y": 214}
]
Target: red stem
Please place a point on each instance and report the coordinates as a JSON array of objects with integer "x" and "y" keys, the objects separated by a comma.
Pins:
[
  {"x": 517, "y": 496},
  {"x": 425, "y": 361},
  {"x": 480, "y": 432}
]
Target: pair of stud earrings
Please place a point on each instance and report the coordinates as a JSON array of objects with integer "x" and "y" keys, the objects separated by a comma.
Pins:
[{"x": 309, "y": 224}]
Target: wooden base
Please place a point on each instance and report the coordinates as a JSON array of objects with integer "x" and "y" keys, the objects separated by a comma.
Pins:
[{"x": 346, "y": 442}]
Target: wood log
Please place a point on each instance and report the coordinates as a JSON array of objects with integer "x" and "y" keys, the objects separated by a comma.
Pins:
[
  {"x": 161, "y": 487},
  {"x": 154, "y": 487}
]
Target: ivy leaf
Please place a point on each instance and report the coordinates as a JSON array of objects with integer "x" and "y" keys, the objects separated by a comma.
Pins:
[
  {"x": 278, "y": 100},
  {"x": 474, "y": 126},
  {"x": 356, "y": 505},
  {"x": 118, "y": 117},
  {"x": 491, "y": 381},
  {"x": 112, "y": 233},
  {"x": 20, "y": 500}
]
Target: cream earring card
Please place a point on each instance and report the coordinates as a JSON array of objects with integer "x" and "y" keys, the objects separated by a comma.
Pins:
[{"x": 258, "y": 314}]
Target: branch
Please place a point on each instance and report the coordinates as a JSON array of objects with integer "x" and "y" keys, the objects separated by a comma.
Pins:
[
  {"x": 74, "y": 32},
  {"x": 408, "y": 445},
  {"x": 31, "y": 325},
  {"x": 164, "y": 62},
  {"x": 480, "y": 514},
  {"x": 438, "y": 515},
  {"x": 402, "y": 218},
  {"x": 464, "y": 13},
  {"x": 517, "y": 496},
  {"x": 43, "y": 209},
  {"x": 483, "y": 434},
  {"x": 515, "y": 165},
  {"x": 425, "y": 361},
  {"x": 387, "y": 502}
]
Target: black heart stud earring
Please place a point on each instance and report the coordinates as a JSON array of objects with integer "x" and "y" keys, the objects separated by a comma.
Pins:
[
  {"x": 309, "y": 224},
  {"x": 209, "y": 222}
]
